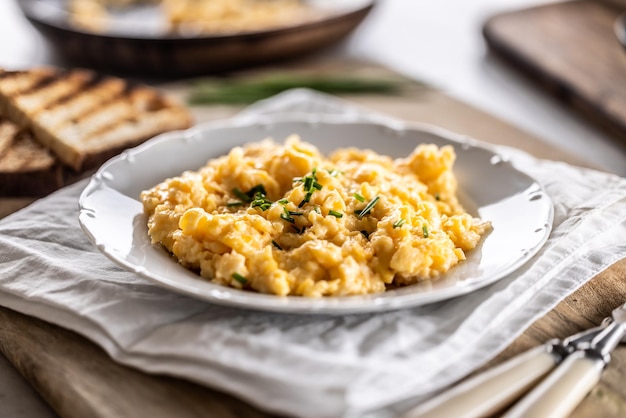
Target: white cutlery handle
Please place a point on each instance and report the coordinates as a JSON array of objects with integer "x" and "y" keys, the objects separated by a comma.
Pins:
[
  {"x": 562, "y": 391},
  {"x": 489, "y": 392}
]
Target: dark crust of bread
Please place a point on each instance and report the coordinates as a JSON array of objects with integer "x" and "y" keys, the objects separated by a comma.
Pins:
[
  {"x": 38, "y": 183},
  {"x": 126, "y": 128},
  {"x": 26, "y": 168},
  {"x": 31, "y": 184}
]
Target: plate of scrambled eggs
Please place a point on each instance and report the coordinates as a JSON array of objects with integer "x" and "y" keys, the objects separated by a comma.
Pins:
[{"x": 316, "y": 216}]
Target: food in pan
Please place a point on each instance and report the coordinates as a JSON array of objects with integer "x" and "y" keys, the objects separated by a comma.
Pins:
[{"x": 196, "y": 17}]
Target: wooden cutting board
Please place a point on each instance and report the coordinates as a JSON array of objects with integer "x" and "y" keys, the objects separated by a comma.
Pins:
[
  {"x": 79, "y": 380},
  {"x": 571, "y": 49}
]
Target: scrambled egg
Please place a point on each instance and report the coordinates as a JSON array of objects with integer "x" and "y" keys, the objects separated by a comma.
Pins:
[
  {"x": 224, "y": 16},
  {"x": 194, "y": 17},
  {"x": 285, "y": 220}
]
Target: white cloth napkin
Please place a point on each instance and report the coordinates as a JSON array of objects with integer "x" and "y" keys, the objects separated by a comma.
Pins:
[{"x": 307, "y": 366}]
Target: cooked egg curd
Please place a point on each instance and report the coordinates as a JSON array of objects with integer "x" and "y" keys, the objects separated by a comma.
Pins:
[{"x": 285, "y": 220}]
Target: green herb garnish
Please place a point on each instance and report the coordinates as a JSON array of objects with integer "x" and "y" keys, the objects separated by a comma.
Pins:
[
  {"x": 368, "y": 208},
  {"x": 251, "y": 194},
  {"x": 235, "y": 203},
  {"x": 425, "y": 231},
  {"x": 335, "y": 213},
  {"x": 287, "y": 216},
  {"x": 359, "y": 197},
  {"x": 310, "y": 184},
  {"x": 241, "y": 195},
  {"x": 259, "y": 188},
  {"x": 251, "y": 89},
  {"x": 283, "y": 201},
  {"x": 275, "y": 244},
  {"x": 240, "y": 278},
  {"x": 260, "y": 201},
  {"x": 399, "y": 223},
  {"x": 307, "y": 199},
  {"x": 317, "y": 210}
]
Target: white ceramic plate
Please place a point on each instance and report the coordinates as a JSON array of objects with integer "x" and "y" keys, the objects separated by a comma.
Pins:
[{"x": 520, "y": 211}]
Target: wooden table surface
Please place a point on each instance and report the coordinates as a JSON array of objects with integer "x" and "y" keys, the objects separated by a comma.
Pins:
[
  {"x": 78, "y": 379},
  {"x": 581, "y": 64}
]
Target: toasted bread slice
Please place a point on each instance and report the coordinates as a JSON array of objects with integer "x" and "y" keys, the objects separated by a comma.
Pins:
[
  {"x": 26, "y": 167},
  {"x": 85, "y": 118}
]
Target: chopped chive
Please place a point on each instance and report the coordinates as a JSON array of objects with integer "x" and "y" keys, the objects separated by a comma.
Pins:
[
  {"x": 425, "y": 231},
  {"x": 254, "y": 193},
  {"x": 283, "y": 201},
  {"x": 297, "y": 179},
  {"x": 235, "y": 203},
  {"x": 259, "y": 188},
  {"x": 359, "y": 197},
  {"x": 295, "y": 213},
  {"x": 307, "y": 198},
  {"x": 298, "y": 230},
  {"x": 275, "y": 244},
  {"x": 335, "y": 213},
  {"x": 368, "y": 208},
  {"x": 308, "y": 183},
  {"x": 334, "y": 172},
  {"x": 399, "y": 223},
  {"x": 309, "y": 186},
  {"x": 241, "y": 195},
  {"x": 260, "y": 201},
  {"x": 263, "y": 206},
  {"x": 240, "y": 278},
  {"x": 317, "y": 209},
  {"x": 286, "y": 217}
]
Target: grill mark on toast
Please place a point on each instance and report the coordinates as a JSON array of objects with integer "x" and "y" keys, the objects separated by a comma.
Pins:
[
  {"x": 8, "y": 131},
  {"x": 25, "y": 154},
  {"x": 45, "y": 97},
  {"x": 93, "y": 80},
  {"x": 14, "y": 83},
  {"x": 119, "y": 96},
  {"x": 135, "y": 132},
  {"x": 80, "y": 106},
  {"x": 76, "y": 115},
  {"x": 42, "y": 83},
  {"x": 126, "y": 107},
  {"x": 114, "y": 112}
]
